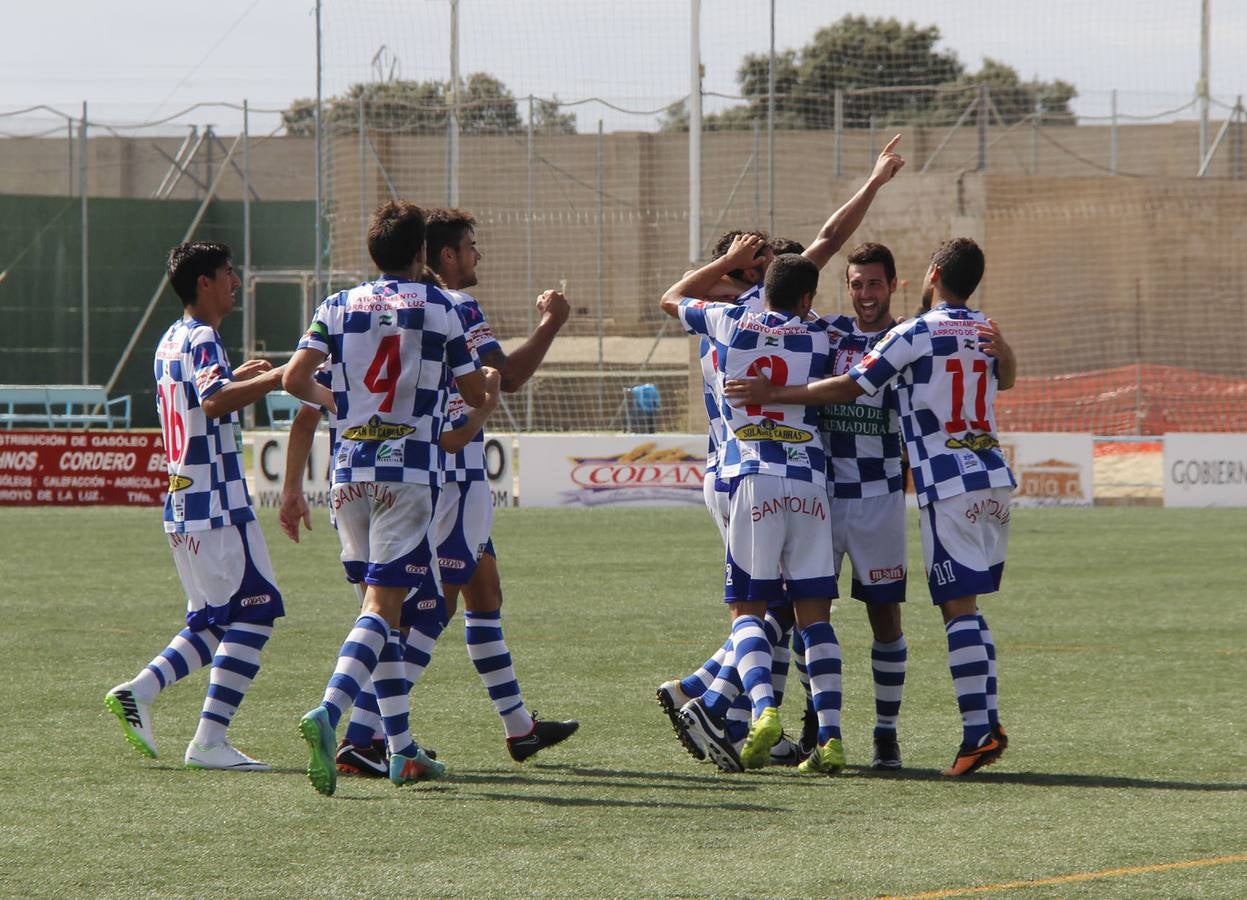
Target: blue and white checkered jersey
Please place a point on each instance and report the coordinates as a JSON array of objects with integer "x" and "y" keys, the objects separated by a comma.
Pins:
[
  {"x": 204, "y": 455},
  {"x": 388, "y": 342},
  {"x": 469, "y": 463},
  {"x": 946, "y": 391},
  {"x": 862, "y": 439},
  {"x": 712, "y": 383},
  {"x": 776, "y": 440}
]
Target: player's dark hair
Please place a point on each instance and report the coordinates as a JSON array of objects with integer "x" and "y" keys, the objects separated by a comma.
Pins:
[
  {"x": 396, "y": 235},
  {"x": 188, "y": 261},
  {"x": 961, "y": 266},
  {"x": 789, "y": 278},
  {"x": 445, "y": 228},
  {"x": 780, "y": 246},
  {"x": 725, "y": 241},
  {"x": 867, "y": 253}
]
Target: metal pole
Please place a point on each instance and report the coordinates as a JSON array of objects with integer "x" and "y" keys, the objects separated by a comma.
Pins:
[
  {"x": 1036, "y": 118},
  {"x": 316, "y": 121},
  {"x": 601, "y": 279},
  {"x": 694, "y": 133},
  {"x": 870, "y": 141},
  {"x": 1112, "y": 136},
  {"x": 86, "y": 248},
  {"x": 1236, "y": 146},
  {"x": 452, "y": 152},
  {"x": 1201, "y": 88},
  {"x": 984, "y": 118},
  {"x": 363, "y": 190},
  {"x": 770, "y": 128},
  {"x": 248, "y": 321},
  {"x": 532, "y": 274},
  {"x": 838, "y": 124},
  {"x": 757, "y": 171},
  {"x": 69, "y": 143}
]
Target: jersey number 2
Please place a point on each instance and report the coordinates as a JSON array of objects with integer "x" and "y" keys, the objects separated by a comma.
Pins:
[
  {"x": 774, "y": 370},
  {"x": 957, "y": 424},
  {"x": 382, "y": 375}
]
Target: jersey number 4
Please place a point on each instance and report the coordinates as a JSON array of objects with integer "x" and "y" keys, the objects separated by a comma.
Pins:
[
  {"x": 383, "y": 372},
  {"x": 957, "y": 424}
]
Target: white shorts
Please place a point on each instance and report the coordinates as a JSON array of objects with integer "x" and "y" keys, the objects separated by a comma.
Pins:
[
  {"x": 384, "y": 530},
  {"x": 964, "y": 539},
  {"x": 871, "y": 531},
  {"x": 778, "y": 531},
  {"x": 461, "y": 527},
  {"x": 227, "y": 576},
  {"x": 718, "y": 502}
]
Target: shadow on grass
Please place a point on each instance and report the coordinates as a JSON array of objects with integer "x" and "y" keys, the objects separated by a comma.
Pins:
[
  {"x": 629, "y": 804},
  {"x": 1052, "y": 779},
  {"x": 601, "y": 778}
]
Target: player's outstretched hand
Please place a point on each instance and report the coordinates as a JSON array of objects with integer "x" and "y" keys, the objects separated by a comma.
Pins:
[
  {"x": 743, "y": 251},
  {"x": 747, "y": 391},
  {"x": 888, "y": 163},
  {"x": 553, "y": 305},
  {"x": 294, "y": 510},
  {"x": 251, "y": 368}
]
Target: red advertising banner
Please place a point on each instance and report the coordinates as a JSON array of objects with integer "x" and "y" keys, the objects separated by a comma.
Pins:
[{"x": 82, "y": 468}]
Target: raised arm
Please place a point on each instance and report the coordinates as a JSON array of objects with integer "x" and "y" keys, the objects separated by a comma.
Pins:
[
  {"x": 993, "y": 343},
  {"x": 700, "y": 282},
  {"x": 755, "y": 391},
  {"x": 843, "y": 222},
  {"x": 519, "y": 365}
]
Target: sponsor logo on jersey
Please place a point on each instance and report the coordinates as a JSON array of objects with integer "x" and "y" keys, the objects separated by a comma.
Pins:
[
  {"x": 769, "y": 430},
  {"x": 896, "y": 573},
  {"x": 179, "y": 483},
  {"x": 376, "y": 430},
  {"x": 390, "y": 454},
  {"x": 856, "y": 418},
  {"x": 205, "y": 377},
  {"x": 482, "y": 334},
  {"x": 257, "y": 600},
  {"x": 979, "y": 443}
]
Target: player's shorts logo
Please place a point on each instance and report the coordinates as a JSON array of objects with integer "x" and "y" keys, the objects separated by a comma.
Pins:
[
  {"x": 767, "y": 430},
  {"x": 896, "y": 573},
  {"x": 257, "y": 600},
  {"x": 973, "y": 441},
  {"x": 179, "y": 483},
  {"x": 447, "y": 563},
  {"x": 426, "y": 604},
  {"x": 376, "y": 430},
  {"x": 416, "y": 570}
]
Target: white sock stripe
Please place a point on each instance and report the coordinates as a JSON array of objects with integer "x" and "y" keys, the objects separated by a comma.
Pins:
[
  {"x": 498, "y": 676},
  {"x": 486, "y": 651},
  {"x": 953, "y": 627},
  {"x": 881, "y": 666},
  {"x": 966, "y": 655}
]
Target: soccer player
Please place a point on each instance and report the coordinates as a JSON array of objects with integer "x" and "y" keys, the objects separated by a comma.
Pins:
[
  {"x": 388, "y": 342},
  {"x": 946, "y": 367},
  {"x": 465, "y": 509},
  {"x": 776, "y": 470},
  {"x": 218, "y": 548},
  {"x": 862, "y": 439}
]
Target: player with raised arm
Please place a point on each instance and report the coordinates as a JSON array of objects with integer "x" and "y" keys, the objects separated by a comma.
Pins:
[
  {"x": 388, "y": 342},
  {"x": 218, "y": 548},
  {"x": 863, "y": 444},
  {"x": 465, "y": 511},
  {"x": 776, "y": 470},
  {"x": 946, "y": 367}
]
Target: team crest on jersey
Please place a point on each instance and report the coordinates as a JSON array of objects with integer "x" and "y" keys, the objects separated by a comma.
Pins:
[
  {"x": 768, "y": 430},
  {"x": 179, "y": 483},
  {"x": 376, "y": 430},
  {"x": 386, "y": 318},
  {"x": 979, "y": 443}
]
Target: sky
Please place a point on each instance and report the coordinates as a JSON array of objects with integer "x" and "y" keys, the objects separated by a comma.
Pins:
[{"x": 144, "y": 60}]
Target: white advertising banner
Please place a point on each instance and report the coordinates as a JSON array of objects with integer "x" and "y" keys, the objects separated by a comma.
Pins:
[
  {"x": 268, "y": 468},
  {"x": 1051, "y": 468},
  {"x": 1205, "y": 470},
  {"x": 612, "y": 470}
]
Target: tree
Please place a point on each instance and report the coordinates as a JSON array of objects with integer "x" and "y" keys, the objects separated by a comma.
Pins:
[
  {"x": 486, "y": 106},
  {"x": 888, "y": 72},
  {"x": 547, "y": 118}
]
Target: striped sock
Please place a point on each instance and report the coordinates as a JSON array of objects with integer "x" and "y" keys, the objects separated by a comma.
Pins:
[
  {"x": 390, "y": 681},
  {"x": 967, "y": 661},
  {"x": 780, "y": 657},
  {"x": 365, "y": 724},
  {"x": 235, "y": 664},
  {"x": 798, "y": 657},
  {"x": 726, "y": 687},
  {"x": 356, "y": 661},
  {"x": 188, "y": 652},
  {"x": 418, "y": 647},
  {"x": 696, "y": 684},
  {"x": 488, "y": 652},
  {"x": 753, "y": 661},
  {"x": 822, "y": 658},
  {"x": 739, "y": 718},
  {"x": 887, "y": 665},
  {"x": 993, "y": 696}
]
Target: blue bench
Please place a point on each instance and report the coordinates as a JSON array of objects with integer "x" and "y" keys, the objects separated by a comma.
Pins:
[{"x": 61, "y": 406}]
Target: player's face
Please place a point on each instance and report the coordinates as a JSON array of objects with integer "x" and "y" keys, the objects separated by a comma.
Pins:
[
  {"x": 871, "y": 293},
  {"x": 219, "y": 292},
  {"x": 928, "y": 286},
  {"x": 466, "y": 258},
  {"x": 757, "y": 272}
]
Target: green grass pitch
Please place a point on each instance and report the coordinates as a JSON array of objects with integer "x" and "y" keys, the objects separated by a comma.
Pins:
[{"x": 1123, "y": 666}]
